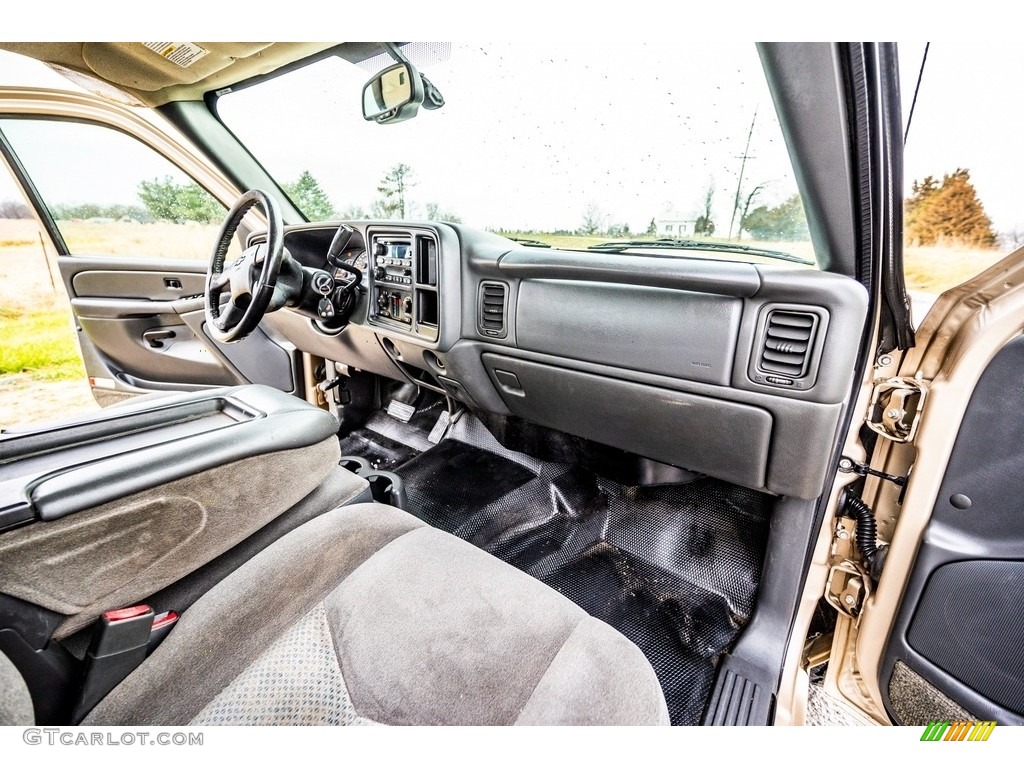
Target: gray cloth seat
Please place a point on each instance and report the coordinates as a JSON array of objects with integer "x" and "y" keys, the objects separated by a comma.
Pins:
[
  {"x": 15, "y": 700},
  {"x": 367, "y": 615}
]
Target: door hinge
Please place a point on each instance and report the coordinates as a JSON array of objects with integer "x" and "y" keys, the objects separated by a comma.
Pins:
[
  {"x": 848, "y": 588},
  {"x": 848, "y": 585},
  {"x": 896, "y": 406}
]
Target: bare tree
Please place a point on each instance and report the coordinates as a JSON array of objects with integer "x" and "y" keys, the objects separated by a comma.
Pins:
[
  {"x": 593, "y": 220},
  {"x": 354, "y": 212},
  {"x": 436, "y": 213},
  {"x": 746, "y": 208},
  {"x": 704, "y": 224},
  {"x": 12, "y": 209},
  {"x": 1013, "y": 238}
]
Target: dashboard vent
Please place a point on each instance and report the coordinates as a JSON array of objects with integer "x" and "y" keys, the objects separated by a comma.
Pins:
[
  {"x": 493, "y": 305},
  {"x": 788, "y": 341}
]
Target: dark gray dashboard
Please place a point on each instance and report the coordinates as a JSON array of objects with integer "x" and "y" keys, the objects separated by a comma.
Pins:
[{"x": 732, "y": 369}]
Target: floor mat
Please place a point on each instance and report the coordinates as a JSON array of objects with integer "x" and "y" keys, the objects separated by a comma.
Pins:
[
  {"x": 382, "y": 452},
  {"x": 386, "y": 442},
  {"x": 675, "y": 568}
]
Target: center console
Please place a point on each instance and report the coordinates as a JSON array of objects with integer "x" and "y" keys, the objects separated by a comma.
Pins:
[{"x": 403, "y": 280}]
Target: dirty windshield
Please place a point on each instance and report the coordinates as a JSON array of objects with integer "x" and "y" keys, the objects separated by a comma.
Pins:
[{"x": 669, "y": 149}]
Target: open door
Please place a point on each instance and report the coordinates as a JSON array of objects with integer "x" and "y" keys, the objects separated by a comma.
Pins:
[
  {"x": 939, "y": 638},
  {"x": 133, "y": 217}
]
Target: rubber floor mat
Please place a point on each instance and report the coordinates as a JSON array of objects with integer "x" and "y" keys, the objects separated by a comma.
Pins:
[
  {"x": 382, "y": 452},
  {"x": 675, "y": 568}
]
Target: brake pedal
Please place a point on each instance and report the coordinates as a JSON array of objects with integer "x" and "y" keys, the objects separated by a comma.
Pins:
[{"x": 401, "y": 411}]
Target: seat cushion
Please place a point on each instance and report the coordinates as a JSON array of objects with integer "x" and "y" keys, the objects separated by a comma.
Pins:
[
  {"x": 367, "y": 615},
  {"x": 15, "y": 701}
]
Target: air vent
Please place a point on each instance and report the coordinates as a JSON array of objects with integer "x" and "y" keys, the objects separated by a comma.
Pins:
[
  {"x": 493, "y": 303},
  {"x": 788, "y": 342}
]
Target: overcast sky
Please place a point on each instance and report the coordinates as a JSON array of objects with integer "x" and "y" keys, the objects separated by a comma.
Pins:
[{"x": 580, "y": 128}]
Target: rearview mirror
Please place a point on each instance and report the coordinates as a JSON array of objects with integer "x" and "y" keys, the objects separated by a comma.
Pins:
[{"x": 393, "y": 95}]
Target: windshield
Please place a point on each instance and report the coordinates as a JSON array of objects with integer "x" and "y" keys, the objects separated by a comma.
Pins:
[{"x": 570, "y": 145}]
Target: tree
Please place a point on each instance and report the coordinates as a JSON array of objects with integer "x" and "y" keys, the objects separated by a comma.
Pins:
[
  {"x": 593, "y": 220},
  {"x": 434, "y": 213},
  {"x": 310, "y": 197},
  {"x": 746, "y": 208},
  {"x": 785, "y": 221},
  {"x": 1012, "y": 239},
  {"x": 12, "y": 209},
  {"x": 354, "y": 212},
  {"x": 703, "y": 224},
  {"x": 165, "y": 200},
  {"x": 392, "y": 188},
  {"x": 949, "y": 212},
  {"x": 652, "y": 229}
]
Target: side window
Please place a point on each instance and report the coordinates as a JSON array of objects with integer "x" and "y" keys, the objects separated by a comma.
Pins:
[
  {"x": 110, "y": 194},
  {"x": 962, "y": 211}
]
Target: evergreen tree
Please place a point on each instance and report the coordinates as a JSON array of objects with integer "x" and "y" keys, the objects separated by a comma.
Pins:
[
  {"x": 949, "y": 212},
  {"x": 393, "y": 186},
  {"x": 166, "y": 200},
  {"x": 310, "y": 197}
]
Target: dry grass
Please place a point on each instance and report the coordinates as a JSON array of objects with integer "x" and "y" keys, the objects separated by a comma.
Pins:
[
  {"x": 934, "y": 270},
  {"x": 159, "y": 240},
  {"x": 28, "y": 281},
  {"x": 26, "y": 400}
]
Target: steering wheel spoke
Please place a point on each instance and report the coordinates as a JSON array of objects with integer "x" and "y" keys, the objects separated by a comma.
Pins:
[
  {"x": 231, "y": 315},
  {"x": 219, "y": 281}
]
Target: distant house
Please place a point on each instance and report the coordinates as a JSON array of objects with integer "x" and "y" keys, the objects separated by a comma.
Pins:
[{"x": 668, "y": 227}]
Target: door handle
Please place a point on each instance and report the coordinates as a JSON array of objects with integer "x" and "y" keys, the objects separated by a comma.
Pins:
[{"x": 155, "y": 338}]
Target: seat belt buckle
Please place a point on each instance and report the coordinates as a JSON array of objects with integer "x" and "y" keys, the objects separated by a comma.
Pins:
[
  {"x": 125, "y": 630},
  {"x": 163, "y": 623},
  {"x": 119, "y": 644}
]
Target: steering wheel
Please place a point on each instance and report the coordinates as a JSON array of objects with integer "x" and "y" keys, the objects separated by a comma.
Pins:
[{"x": 251, "y": 279}]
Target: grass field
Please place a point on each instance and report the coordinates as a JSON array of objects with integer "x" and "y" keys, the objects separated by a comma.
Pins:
[{"x": 39, "y": 343}]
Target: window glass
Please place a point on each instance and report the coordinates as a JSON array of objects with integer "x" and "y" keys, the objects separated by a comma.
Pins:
[
  {"x": 574, "y": 145},
  {"x": 112, "y": 195},
  {"x": 961, "y": 167}
]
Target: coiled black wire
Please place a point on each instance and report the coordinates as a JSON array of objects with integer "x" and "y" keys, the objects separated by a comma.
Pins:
[{"x": 867, "y": 528}]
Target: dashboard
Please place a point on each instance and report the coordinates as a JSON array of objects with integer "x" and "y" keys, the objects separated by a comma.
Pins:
[{"x": 738, "y": 371}]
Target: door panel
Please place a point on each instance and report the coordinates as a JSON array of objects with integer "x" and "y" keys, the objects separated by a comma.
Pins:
[
  {"x": 141, "y": 328},
  {"x": 164, "y": 285},
  {"x": 133, "y": 215},
  {"x": 960, "y": 626}
]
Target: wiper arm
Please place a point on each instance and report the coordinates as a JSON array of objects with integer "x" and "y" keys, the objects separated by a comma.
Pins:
[
  {"x": 528, "y": 242},
  {"x": 695, "y": 245}
]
